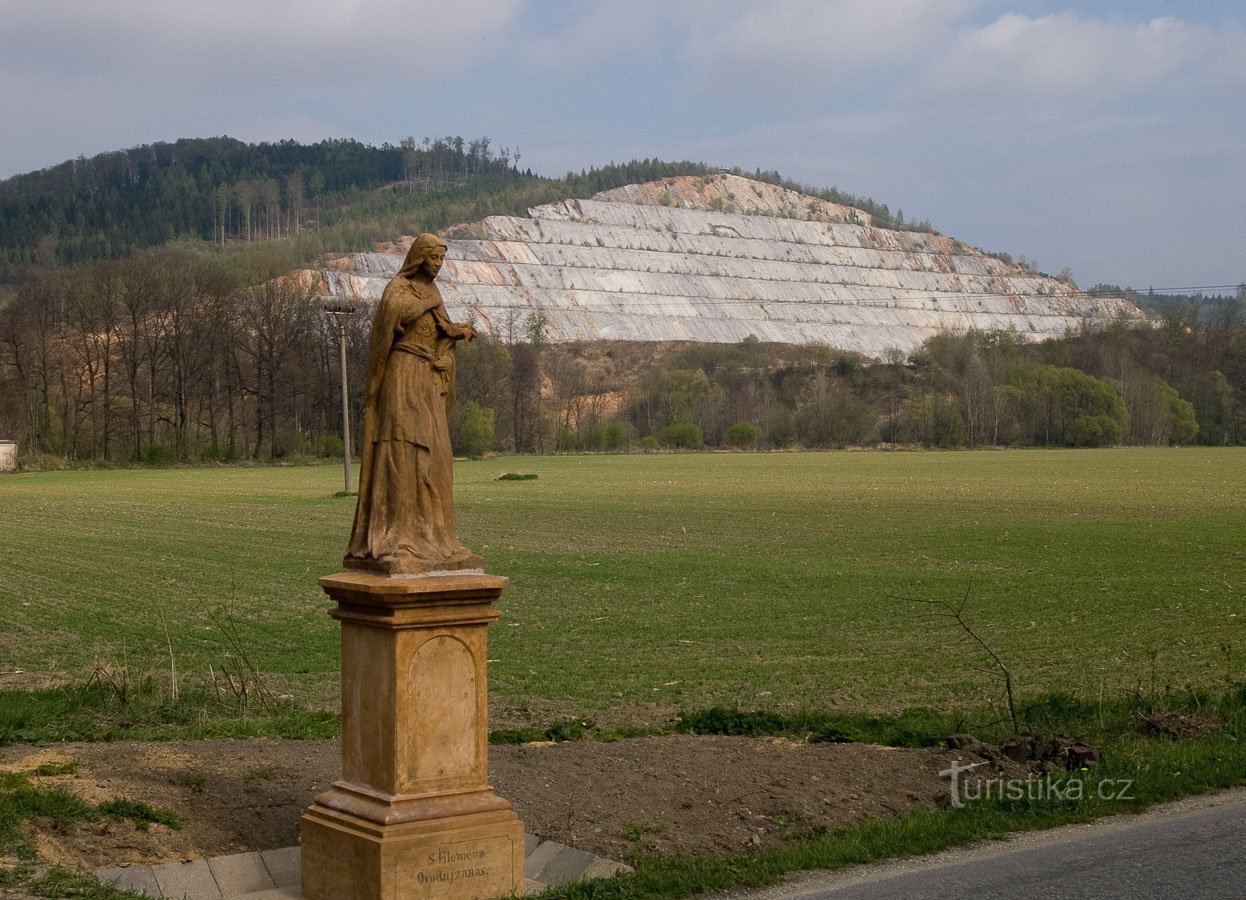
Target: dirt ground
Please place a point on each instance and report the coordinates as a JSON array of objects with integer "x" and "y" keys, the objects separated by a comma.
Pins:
[{"x": 669, "y": 795}]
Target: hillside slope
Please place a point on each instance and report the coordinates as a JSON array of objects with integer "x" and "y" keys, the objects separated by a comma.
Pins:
[{"x": 718, "y": 258}]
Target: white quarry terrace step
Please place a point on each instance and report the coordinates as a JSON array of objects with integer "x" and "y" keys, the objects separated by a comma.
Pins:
[
  {"x": 274, "y": 874},
  {"x": 716, "y": 259}
]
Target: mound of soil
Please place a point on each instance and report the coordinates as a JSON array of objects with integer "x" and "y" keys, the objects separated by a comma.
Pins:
[{"x": 669, "y": 795}]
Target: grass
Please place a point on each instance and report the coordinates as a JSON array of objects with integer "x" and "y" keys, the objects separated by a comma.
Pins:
[
  {"x": 646, "y": 584},
  {"x": 758, "y": 593},
  {"x": 22, "y": 800},
  {"x": 89, "y": 713}
]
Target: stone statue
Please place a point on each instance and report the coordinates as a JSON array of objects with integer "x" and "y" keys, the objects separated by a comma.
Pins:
[{"x": 404, "y": 521}]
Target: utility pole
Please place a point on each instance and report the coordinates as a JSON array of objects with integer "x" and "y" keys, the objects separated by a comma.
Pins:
[{"x": 341, "y": 312}]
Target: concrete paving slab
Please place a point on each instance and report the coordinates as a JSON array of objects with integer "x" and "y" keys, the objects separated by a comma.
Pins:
[
  {"x": 289, "y": 892},
  {"x": 530, "y": 842},
  {"x": 275, "y": 874},
  {"x": 240, "y": 873},
  {"x": 566, "y": 865},
  {"x": 186, "y": 880},
  {"x": 135, "y": 879},
  {"x": 283, "y": 865},
  {"x": 535, "y": 861}
]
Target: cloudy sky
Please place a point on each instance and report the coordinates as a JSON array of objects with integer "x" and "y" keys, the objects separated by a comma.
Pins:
[{"x": 1106, "y": 136}]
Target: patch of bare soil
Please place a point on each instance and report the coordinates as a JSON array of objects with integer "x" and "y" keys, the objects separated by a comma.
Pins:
[{"x": 670, "y": 795}]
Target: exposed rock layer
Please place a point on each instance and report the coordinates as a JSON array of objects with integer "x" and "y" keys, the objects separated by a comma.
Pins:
[{"x": 716, "y": 259}]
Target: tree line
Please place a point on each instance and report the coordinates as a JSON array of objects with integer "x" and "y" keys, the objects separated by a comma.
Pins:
[
  {"x": 334, "y": 195},
  {"x": 1181, "y": 381},
  {"x": 185, "y": 353},
  {"x": 214, "y": 189},
  {"x": 169, "y": 354}
]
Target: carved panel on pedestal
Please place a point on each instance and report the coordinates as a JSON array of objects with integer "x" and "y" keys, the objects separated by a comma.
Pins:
[{"x": 446, "y": 722}]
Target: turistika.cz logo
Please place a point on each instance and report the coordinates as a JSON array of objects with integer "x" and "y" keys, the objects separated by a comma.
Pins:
[{"x": 1075, "y": 787}]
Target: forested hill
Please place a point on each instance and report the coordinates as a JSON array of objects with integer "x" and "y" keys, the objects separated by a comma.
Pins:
[
  {"x": 333, "y": 195},
  {"x": 216, "y": 189}
]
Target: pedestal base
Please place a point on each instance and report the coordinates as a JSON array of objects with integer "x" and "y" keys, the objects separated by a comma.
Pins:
[
  {"x": 478, "y": 856},
  {"x": 413, "y": 816}
]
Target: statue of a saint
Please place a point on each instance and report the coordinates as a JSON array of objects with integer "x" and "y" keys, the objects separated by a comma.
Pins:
[{"x": 404, "y": 522}]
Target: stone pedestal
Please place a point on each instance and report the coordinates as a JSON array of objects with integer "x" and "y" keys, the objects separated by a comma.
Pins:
[{"x": 413, "y": 815}]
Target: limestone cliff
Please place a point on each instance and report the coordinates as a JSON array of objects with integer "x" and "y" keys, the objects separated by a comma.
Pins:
[{"x": 721, "y": 257}]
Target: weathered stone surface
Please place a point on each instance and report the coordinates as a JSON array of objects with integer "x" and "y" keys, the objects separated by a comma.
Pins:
[
  {"x": 240, "y": 873},
  {"x": 137, "y": 880},
  {"x": 282, "y": 865},
  {"x": 716, "y": 259},
  {"x": 413, "y": 815},
  {"x": 404, "y": 520},
  {"x": 190, "y": 880}
]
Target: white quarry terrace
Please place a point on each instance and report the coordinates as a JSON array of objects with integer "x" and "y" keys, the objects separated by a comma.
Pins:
[{"x": 716, "y": 259}]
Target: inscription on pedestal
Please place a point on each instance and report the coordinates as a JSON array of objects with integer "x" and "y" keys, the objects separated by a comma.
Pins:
[{"x": 481, "y": 868}]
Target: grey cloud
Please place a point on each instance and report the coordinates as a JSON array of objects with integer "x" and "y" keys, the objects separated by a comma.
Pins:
[
  {"x": 795, "y": 46},
  {"x": 1069, "y": 61}
]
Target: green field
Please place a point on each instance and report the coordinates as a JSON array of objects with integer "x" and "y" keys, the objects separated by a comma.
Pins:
[{"x": 644, "y": 584}]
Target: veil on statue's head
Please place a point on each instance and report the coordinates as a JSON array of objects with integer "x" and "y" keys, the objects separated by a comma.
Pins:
[{"x": 419, "y": 251}]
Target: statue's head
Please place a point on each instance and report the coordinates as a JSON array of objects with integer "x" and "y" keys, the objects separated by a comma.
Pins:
[{"x": 425, "y": 257}]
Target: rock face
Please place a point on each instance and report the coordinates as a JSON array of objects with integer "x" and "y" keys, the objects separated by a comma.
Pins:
[{"x": 718, "y": 258}]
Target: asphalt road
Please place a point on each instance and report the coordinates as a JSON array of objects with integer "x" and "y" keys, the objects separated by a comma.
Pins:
[{"x": 1192, "y": 849}]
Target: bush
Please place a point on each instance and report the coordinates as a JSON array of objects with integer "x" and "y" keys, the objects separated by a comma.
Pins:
[
  {"x": 159, "y": 455},
  {"x": 743, "y": 435},
  {"x": 615, "y": 436},
  {"x": 472, "y": 431},
  {"x": 293, "y": 445},
  {"x": 331, "y": 447},
  {"x": 681, "y": 436},
  {"x": 837, "y": 420},
  {"x": 43, "y": 462},
  {"x": 781, "y": 432}
]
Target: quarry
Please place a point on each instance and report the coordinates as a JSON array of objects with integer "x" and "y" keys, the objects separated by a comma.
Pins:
[{"x": 719, "y": 258}]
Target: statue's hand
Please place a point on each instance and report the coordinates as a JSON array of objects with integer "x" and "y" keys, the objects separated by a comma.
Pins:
[{"x": 467, "y": 332}]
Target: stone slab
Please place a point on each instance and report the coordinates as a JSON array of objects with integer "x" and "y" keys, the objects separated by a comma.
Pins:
[
  {"x": 186, "y": 880},
  {"x": 136, "y": 879},
  {"x": 278, "y": 873},
  {"x": 283, "y": 865},
  {"x": 289, "y": 892},
  {"x": 568, "y": 864},
  {"x": 240, "y": 873},
  {"x": 535, "y": 861}
]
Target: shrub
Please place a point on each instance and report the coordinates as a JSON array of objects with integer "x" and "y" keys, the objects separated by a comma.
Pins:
[
  {"x": 159, "y": 455},
  {"x": 681, "y": 436},
  {"x": 614, "y": 436},
  {"x": 839, "y": 419},
  {"x": 472, "y": 431},
  {"x": 743, "y": 435},
  {"x": 293, "y": 445},
  {"x": 781, "y": 431}
]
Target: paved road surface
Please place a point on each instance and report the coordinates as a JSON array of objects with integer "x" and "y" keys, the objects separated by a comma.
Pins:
[{"x": 1192, "y": 849}]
